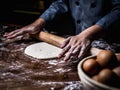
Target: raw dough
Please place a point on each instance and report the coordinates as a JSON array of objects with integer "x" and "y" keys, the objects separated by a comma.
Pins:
[{"x": 42, "y": 50}]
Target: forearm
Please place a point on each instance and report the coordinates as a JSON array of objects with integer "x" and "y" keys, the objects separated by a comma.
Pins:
[
  {"x": 39, "y": 22},
  {"x": 112, "y": 17},
  {"x": 93, "y": 32}
]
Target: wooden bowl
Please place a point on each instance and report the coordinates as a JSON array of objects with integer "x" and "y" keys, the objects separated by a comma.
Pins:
[{"x": 88, "y": 82}]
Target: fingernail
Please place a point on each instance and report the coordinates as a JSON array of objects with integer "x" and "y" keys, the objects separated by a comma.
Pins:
[
  {"x": 79, "y": 56},
  {"x": 66, "y": 59},
  {"x": 58, "y": 57}
]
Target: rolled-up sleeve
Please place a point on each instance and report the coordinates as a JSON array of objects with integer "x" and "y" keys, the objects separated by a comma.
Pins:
[
  {"x": 112, "y": 17},
  {"x": 56, "y": 8}
]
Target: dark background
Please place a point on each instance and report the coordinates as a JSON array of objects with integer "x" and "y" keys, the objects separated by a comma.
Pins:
[{"x": 24, "y": 12}]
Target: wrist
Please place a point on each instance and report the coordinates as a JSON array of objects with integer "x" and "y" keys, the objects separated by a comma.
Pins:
[
  {"x": 39, "y": 22},
  {"x": 93, "y": 32}
]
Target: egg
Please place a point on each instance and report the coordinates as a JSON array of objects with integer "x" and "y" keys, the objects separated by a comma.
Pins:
[
  {"x": 106, "y": 58},
  {"x": 108, "y": 77},
  {"x": 104, "y": 76},
  {"x": 118, "y": 57},
  {"x": 117, "y": 70},
  {"x": 95, "y": 77},
  {"x": 90, "y": 66}
]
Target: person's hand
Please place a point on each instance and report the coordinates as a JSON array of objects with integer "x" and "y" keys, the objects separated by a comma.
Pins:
[
  {"x": 79, "y": 44},
  {"x": 33, "y": 28},
  {"x": 75, "y": 46}
]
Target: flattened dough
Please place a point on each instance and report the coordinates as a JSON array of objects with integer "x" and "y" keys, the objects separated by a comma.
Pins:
[{"x": 42, "y": 50}]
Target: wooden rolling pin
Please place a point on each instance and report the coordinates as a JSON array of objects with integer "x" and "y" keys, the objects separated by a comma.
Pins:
[
  {"x": 50, "y": 38},
  {"x": 57, "y": 41}
]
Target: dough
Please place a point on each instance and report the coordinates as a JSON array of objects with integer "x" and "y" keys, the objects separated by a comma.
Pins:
[{"x": 42, "y": 50}]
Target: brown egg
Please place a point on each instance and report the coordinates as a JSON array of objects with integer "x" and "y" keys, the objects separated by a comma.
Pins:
[
  {"x": 108, "y": 77},
  {"x": 95, "y": 77},
  {"x": 105, "y": 58},
  {"x": 90, "y": 66},
  {"x": 116, "y": 70},
  {"x": 118, "y": 57},
  {"x": 105, "y": 75}
]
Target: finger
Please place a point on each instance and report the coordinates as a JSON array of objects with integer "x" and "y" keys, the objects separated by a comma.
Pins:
[
  {"x": 76, "y": 50},
  {"x": 69, "y": 53},
  {"x": 15, "y": 33},
  {"x": 10, "y": 33},
  {"x": 82, "y": 51},
  {"x": 65, "y": 42},
  {"x": 5, "y": 34},
  {"x": 64, "y": 51},
  {"x": 67, "y": 56}
]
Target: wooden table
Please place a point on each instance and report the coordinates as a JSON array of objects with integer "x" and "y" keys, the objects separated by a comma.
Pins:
[{"x": 21, "y": 72}]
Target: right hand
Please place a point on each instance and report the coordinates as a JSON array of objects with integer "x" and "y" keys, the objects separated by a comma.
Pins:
[
  {"x": 78, "y": 45},
  {"x": 33, "y": 28}
]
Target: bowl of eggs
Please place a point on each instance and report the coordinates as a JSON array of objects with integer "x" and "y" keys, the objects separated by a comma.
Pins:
[{"x": 100, "y": 72}]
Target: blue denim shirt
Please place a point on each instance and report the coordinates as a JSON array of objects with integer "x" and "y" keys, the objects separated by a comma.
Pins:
[{"x": 86, "y": 13}]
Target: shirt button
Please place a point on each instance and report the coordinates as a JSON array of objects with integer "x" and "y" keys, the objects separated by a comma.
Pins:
[
  {"x": 93, "y": 5},
  {"x": 78, "y": 21},
  {"x": 77, "y": 3}
]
